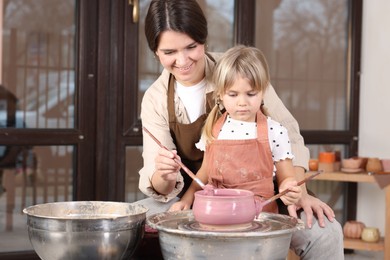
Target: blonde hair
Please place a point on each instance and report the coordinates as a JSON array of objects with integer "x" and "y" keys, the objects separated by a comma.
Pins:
[{"x": 247, "y": 62}]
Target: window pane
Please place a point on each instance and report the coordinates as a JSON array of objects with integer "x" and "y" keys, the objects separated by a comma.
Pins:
[
  {"x": 134, "y": 163},
  {"x": 30, "y": 176},
  {"x": 37, "y": 50},
  {"x": 305, "y": 42}
]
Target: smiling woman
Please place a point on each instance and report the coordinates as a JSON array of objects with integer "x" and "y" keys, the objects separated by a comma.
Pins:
[{"x": 182, "y": 57}]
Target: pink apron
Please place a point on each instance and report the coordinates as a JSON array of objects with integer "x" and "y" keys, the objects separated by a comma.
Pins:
[{"x": 243, "y": 164}]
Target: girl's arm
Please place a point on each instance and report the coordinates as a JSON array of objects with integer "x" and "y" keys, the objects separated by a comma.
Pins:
[
  {"x": 285, "y": 176},
  {"x": 188, "y": 198}
]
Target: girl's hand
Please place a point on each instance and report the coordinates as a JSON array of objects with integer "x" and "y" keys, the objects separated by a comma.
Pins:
[
  {"x": 294, "y": 194},
  {"x": 179, "y": 206}
]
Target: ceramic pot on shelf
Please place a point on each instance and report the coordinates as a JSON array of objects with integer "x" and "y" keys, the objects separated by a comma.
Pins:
[
  {"x": 374, "y": 165},
  {"x": 313, "y": 164},
  {"x": 386, "y": 165},
  {"x": 370, "y": 234},
  {"x": 353, "y": 229}
]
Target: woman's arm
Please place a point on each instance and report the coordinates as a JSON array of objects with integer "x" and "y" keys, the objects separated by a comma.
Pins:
[
  {"x": 275, "y": 108},
  {"x": 159, "y": 176}
]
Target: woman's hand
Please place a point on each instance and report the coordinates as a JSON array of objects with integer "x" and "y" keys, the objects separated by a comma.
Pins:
[
  {"x": 165, "y": 164},
  {"x": 312, "y": 205},
  {"x": 166, "y": 170}
]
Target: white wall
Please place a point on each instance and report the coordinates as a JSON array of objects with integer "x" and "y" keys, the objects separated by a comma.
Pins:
[{"x": 374, "y": 126}]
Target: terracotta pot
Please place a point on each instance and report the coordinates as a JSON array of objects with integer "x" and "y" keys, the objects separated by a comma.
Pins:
[
  {"x": 353, "y": 229},
  {"x": 225, "y": 207},
  {"x": 326, "y": 157},
  {"x": 364, "y": 162},
  {"x": 313, "y": 165},
  {"x": 374, "y": 165},
  {"x": 370, "y": 234},
  {"x": 386, "y": 165},
  {"x": 351, "y": 163}
]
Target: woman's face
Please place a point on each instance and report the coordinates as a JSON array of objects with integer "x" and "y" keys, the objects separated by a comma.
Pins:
[
  {"x": 241, "y": 101},
  {"x": 182, "y": 56}
]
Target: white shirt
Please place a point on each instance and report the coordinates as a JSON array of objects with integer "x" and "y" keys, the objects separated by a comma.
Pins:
[{"x": 193, "y": 98}]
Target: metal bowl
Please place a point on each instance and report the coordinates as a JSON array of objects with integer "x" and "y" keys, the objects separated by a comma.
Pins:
[
  {"x": 181, "y": 237},
  {"x": 85, "y": 229}
]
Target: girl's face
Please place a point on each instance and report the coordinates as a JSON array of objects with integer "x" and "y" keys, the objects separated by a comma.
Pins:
[
  {"x": 182, "y": 56},
  {"x": 241, "y": 101}
]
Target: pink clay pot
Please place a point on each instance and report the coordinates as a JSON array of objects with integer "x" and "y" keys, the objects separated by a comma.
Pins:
[{"x": 225, "y": 207}]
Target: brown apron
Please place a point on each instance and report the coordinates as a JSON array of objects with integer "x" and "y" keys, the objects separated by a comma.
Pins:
[
  {"x": 186, "y": 135},
  {"x": 243, "y": 164}
]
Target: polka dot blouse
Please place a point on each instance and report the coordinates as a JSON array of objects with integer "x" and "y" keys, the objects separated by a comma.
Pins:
[{"x": 237, "y": 130}]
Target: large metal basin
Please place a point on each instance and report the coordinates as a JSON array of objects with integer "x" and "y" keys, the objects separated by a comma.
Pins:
[
  {"x": 271, "y": 240},
  {"x": 85, "y": 229}
]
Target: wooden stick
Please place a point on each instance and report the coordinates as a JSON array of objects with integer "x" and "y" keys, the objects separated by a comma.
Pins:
[{"x": 280, "y": 194}]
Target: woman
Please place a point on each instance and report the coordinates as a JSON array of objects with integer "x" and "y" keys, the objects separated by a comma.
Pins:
[{"x": 174, "y": 109}]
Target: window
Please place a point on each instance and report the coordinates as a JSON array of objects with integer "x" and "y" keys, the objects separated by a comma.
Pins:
[{"x": 313, "y": 49}]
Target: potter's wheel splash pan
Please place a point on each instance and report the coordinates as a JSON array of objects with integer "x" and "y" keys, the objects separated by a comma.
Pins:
[{"x": 271, "y": 242}]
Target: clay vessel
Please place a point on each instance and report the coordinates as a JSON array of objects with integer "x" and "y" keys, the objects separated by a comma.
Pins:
[
  {"x": 225, "y": 207},
  {"x": 351, "y": 163},
  {"x": 326, "y": 157},
  {"x": 313, "y": 165},
  {"x": 353, "y": 229},
  {"x": 374, "y": 165},
  {"x": 386, "y": 165},
  {"x": 370, "y": 234}
]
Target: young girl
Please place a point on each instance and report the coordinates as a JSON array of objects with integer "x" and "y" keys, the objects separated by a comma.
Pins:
[{"x": 242, "y": 146}]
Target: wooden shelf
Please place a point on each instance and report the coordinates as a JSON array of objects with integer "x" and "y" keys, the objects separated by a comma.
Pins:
[
  {"x": 363, "y": 177},
  {"x": 359, "y": 244},
  {"x": 346, "y": 177}
]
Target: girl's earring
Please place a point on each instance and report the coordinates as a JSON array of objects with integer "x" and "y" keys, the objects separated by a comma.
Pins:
[
  {"x": 218, "y": 101},
  {"x": 220, "y": 106},
  {"x": 263, "y": 109}
]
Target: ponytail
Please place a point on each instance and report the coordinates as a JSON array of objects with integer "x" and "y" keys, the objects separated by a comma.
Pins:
[{"x": 212, "y": 118}]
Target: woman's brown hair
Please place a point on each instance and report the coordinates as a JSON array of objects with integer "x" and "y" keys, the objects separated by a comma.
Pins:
[{"x": 184, "y": 16}]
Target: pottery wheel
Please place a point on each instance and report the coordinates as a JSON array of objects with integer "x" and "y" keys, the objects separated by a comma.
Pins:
[{"x": 247, "y": 227}]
